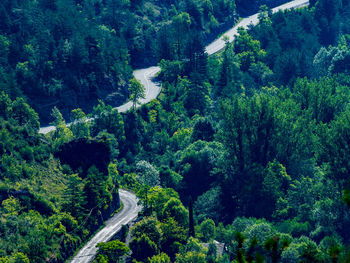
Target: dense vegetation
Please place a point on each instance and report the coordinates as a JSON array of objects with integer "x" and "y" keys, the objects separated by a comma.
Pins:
[
  {"x": 248, "y": 147},
  {"x": 47, "y": 207},
  {"x": 69, "y": 53},
  {"x": 257, "y": 137}
]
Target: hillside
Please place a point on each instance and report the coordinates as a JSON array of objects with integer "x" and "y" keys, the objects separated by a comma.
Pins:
[
  {"x": 248, "y": 147},
  {"x": 71, "y": 59},
  {"x": 69, "y": 53}
]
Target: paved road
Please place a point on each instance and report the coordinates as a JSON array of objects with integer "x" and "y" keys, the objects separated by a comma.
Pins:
[
  {"x": 219, "y": 44},
  {"x": 152, "y": 89},
  {"x": 112, "y": 226},
  {"x": 146, "y": 75}
]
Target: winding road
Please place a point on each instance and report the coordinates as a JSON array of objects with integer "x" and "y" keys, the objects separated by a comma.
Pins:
[
  {"x": 145, "y": 76},
  {"x": 112, "y": 226},
  {"x": 152, "y": 89},
  {"x": 219, "y": 44}
]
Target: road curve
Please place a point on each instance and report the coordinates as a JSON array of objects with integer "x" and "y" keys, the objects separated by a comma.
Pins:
[
  {"x": 145, "y": 76},
  {"x": 112, "y": 226},
  {"x": 219, "y": 44},
  {"x": 152, "y": 89}
]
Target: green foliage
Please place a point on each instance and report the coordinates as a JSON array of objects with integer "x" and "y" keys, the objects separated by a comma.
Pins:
[
  {"x": 109, "y": 119},
  {"x": 97, "y": 190},
  {"x": 137, "y": 92},
  {"x": 62, "y": 134},
  {"x": 196, "y": 95},
  {"x": 142, "y": 247},
  {"x": 160, "y": 258},
  {"x": 174, "y": 236},
  {"x": 80, "y": 126},
  {"x": 275, "y": 182},
  {"x": 19, "y": 113},
  {"x": 207, "y": 230},
  {"x": 175, "y": 209},
  {"x": 170, "y": 70},
  {"x": 181, "y": 24},
  {"x": 75, "y": 54},
  {"x": 325, "y": 99},
  {"x": 208, "y": 205},
  {"x": 224, "y": 132},
  {"x": 169, "y": 178},
  {"x": 150, "y": 227},
  {"x": 112, "y": 251},
  {"x": 251, "y": 146},
  {"x": 166, "y": 229},
  {"x": 158, "y": 197},
  {"x": 333, "y": 146},
  {"x": 203, "y": 130},
  {"x": 196, "y": 163},
  {"x": 180, "y": 139},
  {"x": 191, "y": 257},
  {"x": 74, "y": 197},
  {"x": 249, "y": 51},
  {"x": 15, "y": 258},
  {"x": 227, "y": 81},
  {"x": 46, "y": 209},
  {"x": 11, "y": 207},
  {"x": 212, "y": 253}
]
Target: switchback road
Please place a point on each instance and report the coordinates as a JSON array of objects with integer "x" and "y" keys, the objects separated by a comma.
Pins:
[
  {"x": 145, "y": 76},
  {"x": 152, "y": 89}
]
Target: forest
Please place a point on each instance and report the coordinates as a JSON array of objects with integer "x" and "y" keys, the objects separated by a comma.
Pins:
[
  {"x": 70, "y": 53},
  {"x": 242, "y": 158}
]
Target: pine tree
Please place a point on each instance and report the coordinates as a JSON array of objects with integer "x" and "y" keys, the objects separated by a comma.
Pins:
[
  {"x": 198, "y": 58},
  {"x": 74, "y": 197}
]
